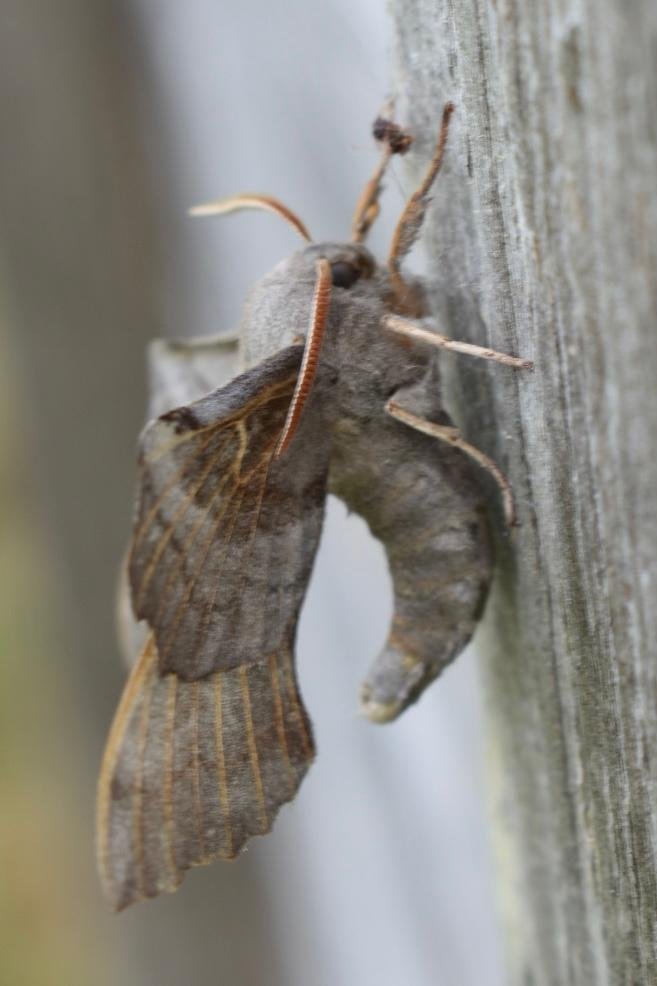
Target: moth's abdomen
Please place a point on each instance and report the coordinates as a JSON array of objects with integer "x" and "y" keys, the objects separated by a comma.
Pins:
[{"x": 422, "y": 501}]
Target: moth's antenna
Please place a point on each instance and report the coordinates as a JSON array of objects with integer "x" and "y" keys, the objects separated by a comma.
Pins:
[
  {"x": 318, "y": 319},
  {"x": 251, "y": 200},
  {"x": 394, "y": 141},
  {"x": 412, "y": 217}
]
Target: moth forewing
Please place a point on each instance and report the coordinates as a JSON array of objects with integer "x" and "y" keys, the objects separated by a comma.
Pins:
[{"x": 219, "y": 518}]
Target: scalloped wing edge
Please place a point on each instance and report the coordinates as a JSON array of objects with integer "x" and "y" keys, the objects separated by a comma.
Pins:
[{"x": 192, "y": 770}]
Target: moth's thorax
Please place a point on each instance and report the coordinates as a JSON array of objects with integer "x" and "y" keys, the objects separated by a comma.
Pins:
[{"x": 368, "y": 357}]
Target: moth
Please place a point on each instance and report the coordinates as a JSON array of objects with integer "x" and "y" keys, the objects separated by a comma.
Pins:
[{"x": 333, "y": 385}]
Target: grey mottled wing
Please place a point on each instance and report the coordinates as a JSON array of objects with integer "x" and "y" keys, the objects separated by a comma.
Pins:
[
  {"x": 179, "y": 371},
  {"x": 225, "y": 535},
  {"x": 192, "y": 769}
]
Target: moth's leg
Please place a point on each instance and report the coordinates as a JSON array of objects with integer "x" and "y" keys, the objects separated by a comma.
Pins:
[
  {"x": 393, "y": 140},
  {"x": 411, "y": 330},
  {"x": 452, "y": 436},
  {"x": 410, "y": 222},
  {"x": 367, "y": 207},
  {"x": 425, "y": 505}
]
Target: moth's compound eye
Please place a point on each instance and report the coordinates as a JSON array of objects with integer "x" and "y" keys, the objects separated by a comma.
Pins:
[{"x": 344, "y": 274}]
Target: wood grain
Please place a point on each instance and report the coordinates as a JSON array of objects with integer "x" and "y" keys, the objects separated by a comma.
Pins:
[{"x": 543, "y": 240}]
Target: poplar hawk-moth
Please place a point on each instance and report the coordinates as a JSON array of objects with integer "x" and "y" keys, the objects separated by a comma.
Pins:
[{"x": 333, "y": 385}]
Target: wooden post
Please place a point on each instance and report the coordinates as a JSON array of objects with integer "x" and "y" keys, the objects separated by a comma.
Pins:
[{"x": 543, "y": 242}]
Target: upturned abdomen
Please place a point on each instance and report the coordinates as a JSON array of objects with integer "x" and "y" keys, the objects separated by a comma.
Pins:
[{"x": 421, "y": 499}]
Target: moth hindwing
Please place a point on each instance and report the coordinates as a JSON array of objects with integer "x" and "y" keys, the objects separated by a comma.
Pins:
[{"x": 219, "y": 521}]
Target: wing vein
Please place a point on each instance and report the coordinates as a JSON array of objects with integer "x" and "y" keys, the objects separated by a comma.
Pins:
[
  {"x": 138, "y": 790},
  {"x": 196, "y": 778},
  {"x": 178, "y": 615},
  {"x": 294, "y": 701},
  {"x": 209, "y": 606},
  {"x": 169, "y": 828},
  {"x": 111, "y": 755},
  {"x": 145, "y": 524},
  {"x": 170, "y": 527},
  {"x": 253, "y": 749},
  {"x": 222, "y": 780},
  {"x": 189, "y": 541},
  {"x": 280, "y": 721},
  {"x": 260, "y": 400}
]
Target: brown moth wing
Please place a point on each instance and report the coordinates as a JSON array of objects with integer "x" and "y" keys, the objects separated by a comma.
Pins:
[
  {"x": 192, "y": 769},
  {"x": 225, "y": 536},
  {"x": 179, "y": 371}
]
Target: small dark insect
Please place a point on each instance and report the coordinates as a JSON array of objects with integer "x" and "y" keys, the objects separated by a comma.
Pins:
[{"x": 211, "y": 736}]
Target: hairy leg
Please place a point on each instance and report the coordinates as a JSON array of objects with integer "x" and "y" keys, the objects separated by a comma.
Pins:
[
  {"x": 405, "y": 327},
  {"x": 452, "y": 436}
]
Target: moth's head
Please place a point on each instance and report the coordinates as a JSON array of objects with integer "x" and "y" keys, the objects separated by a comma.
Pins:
[
  {"x": 351, "y": 263},
  {"x": 318, "y": 278}
]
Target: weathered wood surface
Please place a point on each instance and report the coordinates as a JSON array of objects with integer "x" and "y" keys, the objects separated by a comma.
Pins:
[{"x": 544, "y": 242}]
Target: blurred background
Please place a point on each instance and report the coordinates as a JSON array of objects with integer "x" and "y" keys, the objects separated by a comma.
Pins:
[{"x": 116, "y": 116}]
